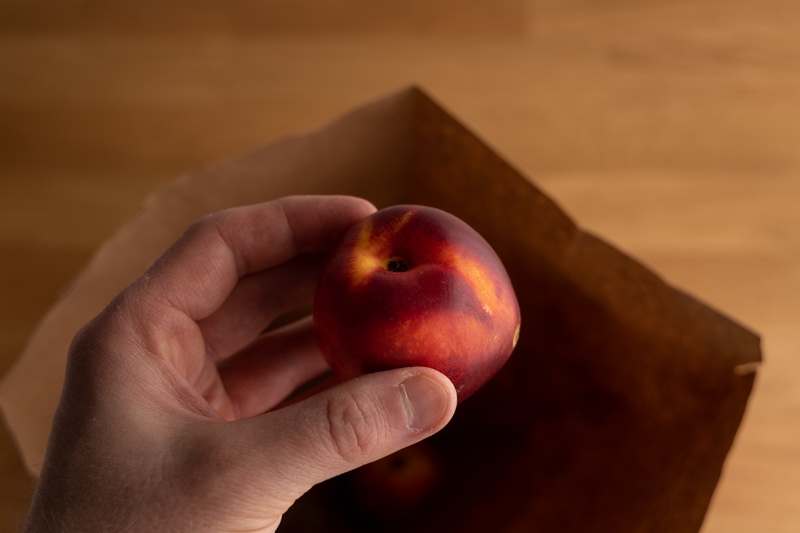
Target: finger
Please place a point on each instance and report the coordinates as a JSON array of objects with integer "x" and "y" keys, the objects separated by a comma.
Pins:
[
  {"x": 198, "y": 272},
  {"x": 265, "y": 373},
  {"x": 256, "y": 301},
  {"x": 345, "y": 427},
  {"x": 324, "y": 382}
]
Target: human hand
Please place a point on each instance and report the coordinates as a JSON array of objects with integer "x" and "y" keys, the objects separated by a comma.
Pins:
[{"x": 173, "y": 415}]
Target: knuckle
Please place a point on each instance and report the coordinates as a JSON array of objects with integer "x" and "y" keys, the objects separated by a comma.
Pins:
[
  {"x": 353, "y": 427},
  {"x": 205, "y": 224}
]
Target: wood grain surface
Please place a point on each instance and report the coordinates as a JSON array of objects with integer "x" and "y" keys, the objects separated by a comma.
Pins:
[{"x": 670, "y": 128}]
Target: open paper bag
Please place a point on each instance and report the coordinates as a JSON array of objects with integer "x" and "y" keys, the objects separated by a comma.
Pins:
[{"x": 616, "y": 411}]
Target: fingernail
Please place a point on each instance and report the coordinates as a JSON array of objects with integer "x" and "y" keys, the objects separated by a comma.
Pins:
[{"x": 426, "y": 401}]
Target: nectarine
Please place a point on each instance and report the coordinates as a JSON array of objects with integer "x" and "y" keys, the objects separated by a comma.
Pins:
[
  {"x": 416, "y": 286},
  {"x": 399, "y": 485}
]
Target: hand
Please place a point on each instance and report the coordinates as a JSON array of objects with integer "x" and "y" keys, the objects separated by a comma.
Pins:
[{"x": 173, "y": 415}]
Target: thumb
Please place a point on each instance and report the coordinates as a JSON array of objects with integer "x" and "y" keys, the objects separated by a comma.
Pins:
[{"x": 347, "y": 426}]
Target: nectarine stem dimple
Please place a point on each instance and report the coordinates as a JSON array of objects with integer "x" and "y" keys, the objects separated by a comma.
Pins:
[{"x": 397, "y": 265}]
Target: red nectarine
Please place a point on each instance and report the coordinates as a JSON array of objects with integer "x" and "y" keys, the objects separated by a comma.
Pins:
[
  {"x": 399, "y": 485},
  {"x": 416, "y": 286}
]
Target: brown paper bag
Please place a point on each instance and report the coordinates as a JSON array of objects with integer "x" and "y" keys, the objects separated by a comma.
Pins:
[{"x": 616, "y": 411}]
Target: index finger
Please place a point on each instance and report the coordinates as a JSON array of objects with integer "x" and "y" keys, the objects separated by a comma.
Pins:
[{"x": 199, "y": 271}]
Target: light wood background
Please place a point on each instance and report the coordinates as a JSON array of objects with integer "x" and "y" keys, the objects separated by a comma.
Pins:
[{"x": 669, "y": 127}]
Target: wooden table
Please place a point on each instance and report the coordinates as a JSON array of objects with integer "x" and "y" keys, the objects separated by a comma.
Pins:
[{"x": 672, "y": 129}]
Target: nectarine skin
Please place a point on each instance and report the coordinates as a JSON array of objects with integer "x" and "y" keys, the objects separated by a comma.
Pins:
[{"x": 416, "y": 286}]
